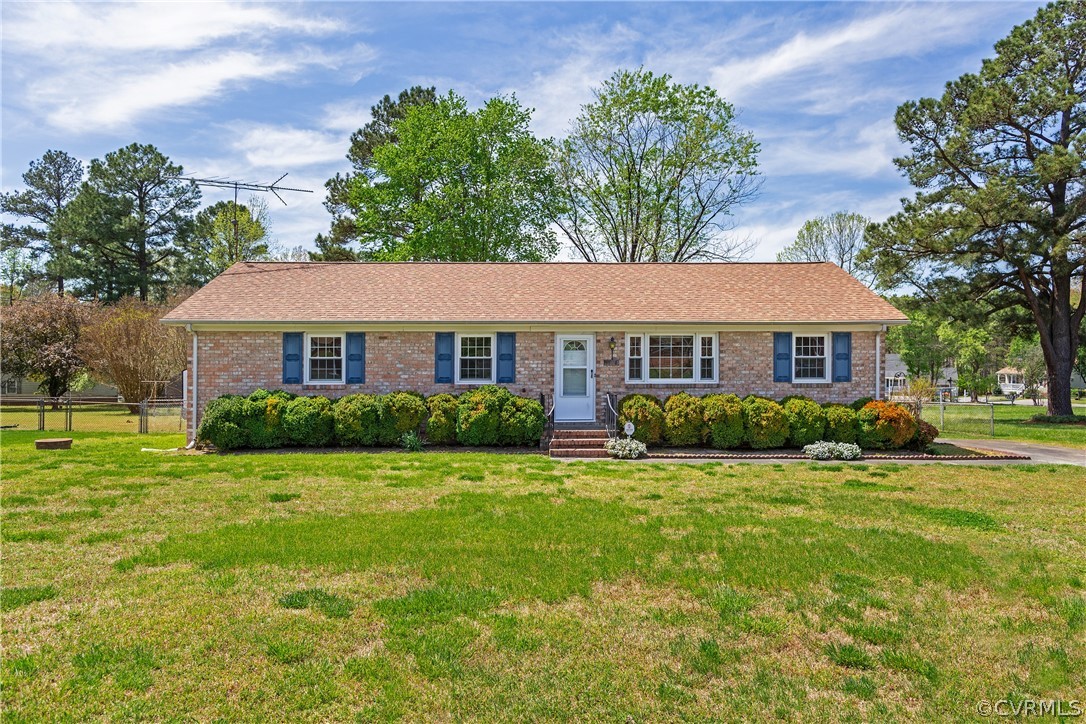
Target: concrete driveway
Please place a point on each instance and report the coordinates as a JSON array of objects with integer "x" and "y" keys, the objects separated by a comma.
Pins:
[{"x": 1038, "y": 453}]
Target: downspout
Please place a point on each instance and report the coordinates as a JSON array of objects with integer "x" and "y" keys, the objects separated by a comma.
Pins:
[
  {"x": 878, "y": 363},
  {"x": 195, "y": 355}
]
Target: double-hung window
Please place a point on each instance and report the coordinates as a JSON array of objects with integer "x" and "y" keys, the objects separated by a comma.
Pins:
[
  {"x": 810, "y": 358},
  {"x": 324, "y": 359},
  {"x": 475, "y": 358},
  {"x": 671, "y": 358}
]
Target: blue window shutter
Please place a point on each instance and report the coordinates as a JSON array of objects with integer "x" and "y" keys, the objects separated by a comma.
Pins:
[
  {"x": 842, "y": 356},
  {"x": 292, "y": 357},
  {"x": 356, "y": 358},
  {"x": 443, "y": 356},
  {"x": 507, "y": 357},
  {"x": 782, "y": 356}
]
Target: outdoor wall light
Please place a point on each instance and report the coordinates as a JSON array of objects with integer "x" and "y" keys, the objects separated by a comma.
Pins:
[{"x": 611, "y": 344}]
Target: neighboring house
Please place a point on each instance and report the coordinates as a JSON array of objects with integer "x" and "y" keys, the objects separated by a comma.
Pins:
[
  {"x": 12, "y": 387},
  {"x": 1010, "y": 381},
  {"x": 897, "y": 378},
  {"x": 566, "y": 332}
]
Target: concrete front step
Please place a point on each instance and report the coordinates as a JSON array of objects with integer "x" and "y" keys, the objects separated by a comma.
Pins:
[
  {"x": 576, "y": 452},
  {"x": 582, "y": 442},
  {"x": 580, "y": 433}
]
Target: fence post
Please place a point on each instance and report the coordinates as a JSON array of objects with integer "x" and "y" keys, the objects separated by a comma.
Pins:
[
  {"x": 41, "y": 414},
  {"x": 68, "y": 421},
  {"x": 942, "y": 415},
  {"x": 991, "y": 418},
  {"x": 143, "y": 417}
]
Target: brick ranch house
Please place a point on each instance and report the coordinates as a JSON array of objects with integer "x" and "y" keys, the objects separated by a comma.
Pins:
[{"x": 570, "y": 332}]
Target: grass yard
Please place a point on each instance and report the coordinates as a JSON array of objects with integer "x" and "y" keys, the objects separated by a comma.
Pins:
[
  {"x": 1011, "y": 423},
  {"x": 469, "y": 586},
  {"x": 92, "y": 417}
]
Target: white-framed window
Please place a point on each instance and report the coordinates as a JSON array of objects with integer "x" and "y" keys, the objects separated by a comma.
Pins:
[
  {"x": 671, "y": 358},
  {"x": 810, "y": 358},
  {"x": 474, "y": 358},
  {"x": 324, "y": 359}
]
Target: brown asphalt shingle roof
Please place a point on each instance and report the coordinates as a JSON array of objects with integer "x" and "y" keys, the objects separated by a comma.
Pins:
[{"x": 413, "y": 292}]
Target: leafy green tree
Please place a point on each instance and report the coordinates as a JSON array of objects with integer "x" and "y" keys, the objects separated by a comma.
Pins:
[
  {"x": 458, "y": 185},
  {"x": 653, "y": 171},
  {"x": 329, "y": 249},
  {"x": 380, "y": 131},
  {"x": 127, "y": 220},
  {"x": 999, "y": 164},
  {"x": 918, "y": 343},
  {"x": 1026, "y": 356},
  {"x": 223, "y": 234},
  {"x": 51, "y": 183},
  {"x": 838, "y": 238},
  {"x": 971, "y": 348},
  {"x": 16, "y": 269}
]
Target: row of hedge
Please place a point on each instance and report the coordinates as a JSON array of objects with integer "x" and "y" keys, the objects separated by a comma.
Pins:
[
  {"x": 485, "y": 416},
  {"x": 725, "y": 421}
]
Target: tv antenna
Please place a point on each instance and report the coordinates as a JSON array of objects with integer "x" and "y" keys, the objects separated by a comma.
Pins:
[{"x": 221, "y": 183}]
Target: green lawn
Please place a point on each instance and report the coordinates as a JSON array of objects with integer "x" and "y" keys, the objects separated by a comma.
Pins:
[
  {"x": 1011, "y": 423},
  {"x": 92, "y": 417},
  {"x": 469, "y": 586}
]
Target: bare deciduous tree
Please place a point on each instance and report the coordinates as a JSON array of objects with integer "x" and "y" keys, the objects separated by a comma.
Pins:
[{"x": 128, "y": 347}]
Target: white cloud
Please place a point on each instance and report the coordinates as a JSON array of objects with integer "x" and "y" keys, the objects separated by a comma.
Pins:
[
  {"x": 47, "y": 28},
  {"x": 860, "y": 153},
  {"x": 900, "y": 32},
  {"x": 99, "y": 67},
  {"x": 268, "y": 146}
]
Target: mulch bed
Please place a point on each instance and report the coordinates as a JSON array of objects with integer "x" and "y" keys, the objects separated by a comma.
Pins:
[{"x": 793, "y": 455}]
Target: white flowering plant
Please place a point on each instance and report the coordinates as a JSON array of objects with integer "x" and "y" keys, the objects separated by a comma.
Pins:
[
  {"x": 823, "y": 450},
  {"x": 626, "y": 448}
]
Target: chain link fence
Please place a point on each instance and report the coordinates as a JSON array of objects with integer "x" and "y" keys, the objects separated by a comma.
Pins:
[
  {"x": 960, "y": 418},
  {"x": 68, "y": 415}
]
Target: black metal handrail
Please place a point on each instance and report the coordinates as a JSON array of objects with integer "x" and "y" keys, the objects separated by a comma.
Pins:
[{"x": 610, "y": 415}]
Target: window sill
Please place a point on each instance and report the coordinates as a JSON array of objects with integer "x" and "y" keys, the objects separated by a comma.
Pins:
[
  {"x": 649, "y": 383},
  {"x": 809, "y": 383},
  {"x": 475, "y": 383}
]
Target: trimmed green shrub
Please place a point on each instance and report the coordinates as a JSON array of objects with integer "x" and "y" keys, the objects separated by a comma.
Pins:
[
  {"x": 884, "y": 425},
  {"x": 262, "y": 418},
  {"x": 924, "y": 436},
  {"x": 765, "y": 425},
  {"x": 479, "y": 415},
  {"x": 523, "y": 421},
  {"x": 723, "y": 415},
  {"x": 441, "y": 427},
  {"x": 684, "y": 421},
  {"x": 219, "y": 424},
  {"x": 647, "y": 415},
  {"x": 861, "y": 403},
  {"x": 401, "y": 412},
  {"x": 806, "y": 421},
  {"x": 309, "y": 421},
  {"x": 357, "y": 419},
  {"x": 841, "y": 424}
]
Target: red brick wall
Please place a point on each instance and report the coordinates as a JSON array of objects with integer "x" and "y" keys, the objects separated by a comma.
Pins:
[
  {"x": 240, "y": 362},
  {"x": 745, "y": 367}
]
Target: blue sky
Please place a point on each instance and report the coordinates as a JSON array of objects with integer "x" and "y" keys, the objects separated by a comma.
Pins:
[{"x": 249, "y": 91}]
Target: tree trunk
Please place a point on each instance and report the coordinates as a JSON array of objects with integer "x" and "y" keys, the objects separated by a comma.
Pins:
[{"x": 1059, "y": 386}]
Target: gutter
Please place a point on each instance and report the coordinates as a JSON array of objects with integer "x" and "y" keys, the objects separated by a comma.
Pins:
[{"x": 195, "y": 386}]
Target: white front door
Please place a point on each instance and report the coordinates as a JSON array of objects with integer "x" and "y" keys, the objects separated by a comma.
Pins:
[{"x": 575, "y": 377}]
